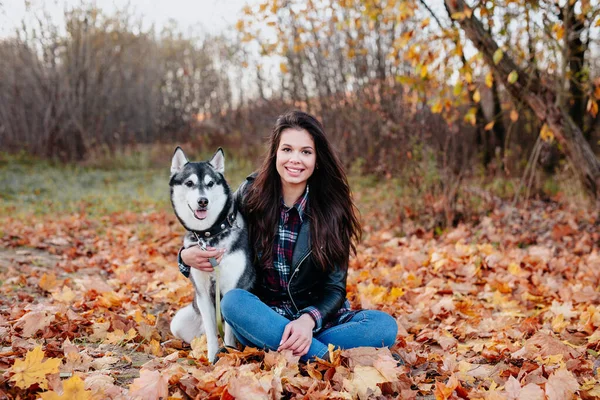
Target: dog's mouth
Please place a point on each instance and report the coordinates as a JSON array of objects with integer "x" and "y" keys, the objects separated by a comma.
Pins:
[{"x": 199, "y": 213}]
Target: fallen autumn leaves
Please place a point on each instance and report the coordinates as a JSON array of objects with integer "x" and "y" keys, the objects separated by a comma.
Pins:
[{"x": 508, "y": 309}]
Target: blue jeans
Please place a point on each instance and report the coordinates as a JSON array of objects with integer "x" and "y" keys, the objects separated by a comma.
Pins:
[{"x": 255, "y": 324}]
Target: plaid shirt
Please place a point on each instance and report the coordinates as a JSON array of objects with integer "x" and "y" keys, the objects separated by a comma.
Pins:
[{"x": 276, "y": 278}]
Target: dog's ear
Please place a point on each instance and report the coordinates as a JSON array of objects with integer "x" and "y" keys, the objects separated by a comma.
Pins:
[
  {"x": 218, "y": 161},
  {"x": 179, "y": 160}
]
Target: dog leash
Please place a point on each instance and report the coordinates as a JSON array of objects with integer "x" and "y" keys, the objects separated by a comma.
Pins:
[{"x": 215, "y": 265}]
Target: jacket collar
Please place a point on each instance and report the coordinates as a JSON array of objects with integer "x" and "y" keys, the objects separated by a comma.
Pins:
[{"x": 302, "y": 246}]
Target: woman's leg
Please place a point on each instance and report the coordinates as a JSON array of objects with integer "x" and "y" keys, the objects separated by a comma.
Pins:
[
  {"x": 256, "y": 324},
  {"x": 370, "y": 328}
]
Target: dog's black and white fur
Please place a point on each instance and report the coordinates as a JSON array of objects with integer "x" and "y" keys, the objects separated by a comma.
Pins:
[{"x": 204, "y": 204}]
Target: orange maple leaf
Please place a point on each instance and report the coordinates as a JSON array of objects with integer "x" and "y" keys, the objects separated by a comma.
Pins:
[
  {"x": 48, "y": 282},
  {"x": 73, "y": 388},
  {"x": 32, "y": 370}
]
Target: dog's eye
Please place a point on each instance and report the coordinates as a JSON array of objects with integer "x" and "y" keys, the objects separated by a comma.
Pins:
[
  {"x": 189, "y": 183},
  {"x": 210, "y": 184}
]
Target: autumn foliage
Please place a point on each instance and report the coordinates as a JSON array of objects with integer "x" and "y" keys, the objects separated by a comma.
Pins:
[{"x": 505, "y": 309}]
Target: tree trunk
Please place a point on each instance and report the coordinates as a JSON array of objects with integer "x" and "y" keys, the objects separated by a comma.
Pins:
[
  {"x": 575, "y": 58},
  {"x": 540, "y": 99}
]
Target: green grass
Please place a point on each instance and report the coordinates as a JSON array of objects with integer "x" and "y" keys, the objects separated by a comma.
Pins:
[
  {"x": 42, "y": 188},
  {"x": 138, "y": 182}
]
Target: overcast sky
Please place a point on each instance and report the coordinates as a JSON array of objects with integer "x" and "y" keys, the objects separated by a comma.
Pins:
[{"x": 211, "y": 16}]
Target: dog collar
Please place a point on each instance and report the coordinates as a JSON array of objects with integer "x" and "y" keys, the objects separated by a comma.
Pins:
[{"x": 219, "y": 228}]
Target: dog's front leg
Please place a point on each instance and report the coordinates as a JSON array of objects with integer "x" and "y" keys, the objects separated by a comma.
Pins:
[
  {"x": 207, "y": 309},
  {"x": 229, "y": 335}
]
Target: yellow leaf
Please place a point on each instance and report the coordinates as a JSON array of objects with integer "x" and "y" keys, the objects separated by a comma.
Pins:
[
  {"x": 513, "y": 77},
  {"x": 138, "y": 316},
  {"x": 489, "y": 79},
  {"x": 470, "y": 116},
  {"x": 283, "y": 68},
  {"x": 515, "y": 269},
  {"x": 404, "y": 39},
  {"x": 66, "y": 296},
  {"x": 199, "y": 348},
  {"x": 110, "y": 299},
  {"x": 468, "y": 12},
  {"x": 458, "y": 50},
  {"x": 514, "y": 116},
  {"x": 118, "y": 336},
  {"x": 459, "y": 16},
  {"x": 32, "y": 370},
  {"x": 239, "y": 25},
  {"x": 73, "y": 388},
  {"x": 458, "y": 89},
  {"x": 155, "y": 348},
  {"x": 592, "y": 107},
  {"x": 468, "y": 77},
  {"x": 425, "y": 23},
  {"x": 558, "y": 30},
  {"x": 489, "y": 126},
  {"x": 597, "y": 23},
  {"x": 477, "y": 96},
  {"x": 546, "y": 133},
  {"x": 559, "y": 324},
  {"x": 424, "y": 71},
  {"x": 48, "y": 282},
  {"x": 436, "y": 108},
  {"x": 498, "y": 55},
  {"x": 394, "y": 294},
  {"x": 597, "y": 92}
]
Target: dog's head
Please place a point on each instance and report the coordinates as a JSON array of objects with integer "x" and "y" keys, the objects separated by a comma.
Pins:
[{"x": 199, "y": 193}]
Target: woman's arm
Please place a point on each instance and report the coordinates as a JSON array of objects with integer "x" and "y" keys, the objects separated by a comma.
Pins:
[
  {"x": 334, "y": 295},
  {"x": 195, "y": 257}
]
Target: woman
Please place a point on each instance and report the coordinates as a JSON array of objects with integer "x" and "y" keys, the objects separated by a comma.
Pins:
[{"x": 302, "y": 225}]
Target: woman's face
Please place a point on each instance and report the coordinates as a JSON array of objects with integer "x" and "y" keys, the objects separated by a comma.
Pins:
[{"x": 296, "y": 157}]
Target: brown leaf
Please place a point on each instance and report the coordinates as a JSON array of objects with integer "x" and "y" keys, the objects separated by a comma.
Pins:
[{"x": 151, "y": 385}]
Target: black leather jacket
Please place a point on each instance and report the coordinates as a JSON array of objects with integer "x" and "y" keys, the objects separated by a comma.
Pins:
[{"x": 308, "y": 285}]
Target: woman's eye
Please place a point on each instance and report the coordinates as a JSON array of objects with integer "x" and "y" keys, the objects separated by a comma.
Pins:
[
  {"x": 210, "y": 184},
  {"x": 285, "y": 150},
  {"x": 189, "y": 184},
  {"x": 307, "y": 152}
]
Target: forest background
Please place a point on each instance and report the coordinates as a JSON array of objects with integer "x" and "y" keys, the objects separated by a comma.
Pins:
[{"x": 468, "y": 124}]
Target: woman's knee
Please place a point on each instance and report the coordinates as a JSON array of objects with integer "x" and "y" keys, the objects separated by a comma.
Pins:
[
  {"x": 232, "y": 302},
  {"x": 387, "y": 327}
]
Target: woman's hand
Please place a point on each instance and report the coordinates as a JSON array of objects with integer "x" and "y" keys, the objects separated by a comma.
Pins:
[
  {"x": 197, "y": 258},
  {"x": 297, "y": 335}
]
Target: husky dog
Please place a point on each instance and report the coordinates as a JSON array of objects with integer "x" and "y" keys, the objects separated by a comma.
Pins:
[{"x": 205, "y": 206}]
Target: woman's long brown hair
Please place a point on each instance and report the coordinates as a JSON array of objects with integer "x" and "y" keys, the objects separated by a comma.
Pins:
[{"x": 335, "y": 229}]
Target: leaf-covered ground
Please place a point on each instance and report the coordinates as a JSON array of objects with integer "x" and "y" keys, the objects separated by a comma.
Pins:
[{"x": 505, "y": 309}]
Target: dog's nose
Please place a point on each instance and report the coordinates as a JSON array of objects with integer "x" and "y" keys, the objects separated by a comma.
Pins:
[{"x": 202, "y": 201}]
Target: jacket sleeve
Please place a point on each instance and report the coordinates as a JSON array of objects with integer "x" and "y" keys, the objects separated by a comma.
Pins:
[
  {"x": 183, "y": 267},
  {"x": 334, "y": 295}
]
